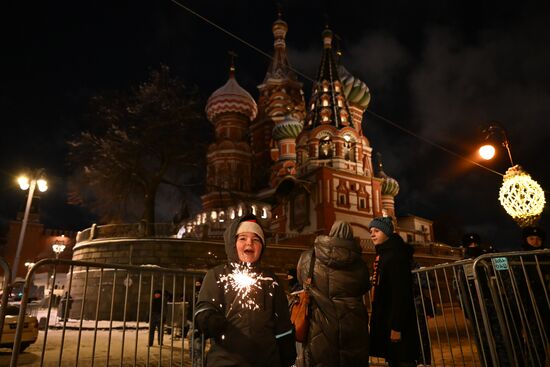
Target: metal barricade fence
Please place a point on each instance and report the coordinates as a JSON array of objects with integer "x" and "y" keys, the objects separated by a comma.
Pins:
[
  {"x": 6, "y": 289},
  {"x": 491, "y": 311},
  {"x": 105, "y": 316},
  {"x": 514, "y": 290}
]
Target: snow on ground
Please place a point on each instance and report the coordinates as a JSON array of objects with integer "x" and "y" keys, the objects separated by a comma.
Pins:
[{"x": 73, "y": 343}]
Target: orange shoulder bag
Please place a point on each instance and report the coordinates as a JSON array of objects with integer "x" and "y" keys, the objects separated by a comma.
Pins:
[{"x": 299, "y": 308}]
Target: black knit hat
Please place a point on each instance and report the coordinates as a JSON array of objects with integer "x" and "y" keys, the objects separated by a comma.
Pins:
[
  {"x": 533, "y": 231},
  {"x": 471, "y": 238},
  {"x": 384, "y": 224}
]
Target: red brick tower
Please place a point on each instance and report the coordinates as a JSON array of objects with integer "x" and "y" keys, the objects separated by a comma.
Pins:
[
  {"x": 280, "y": 118},
  {"x": 229, "y": 167}
]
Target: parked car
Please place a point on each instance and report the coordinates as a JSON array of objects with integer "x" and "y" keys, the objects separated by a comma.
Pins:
[{"x": 30, "y": 331}]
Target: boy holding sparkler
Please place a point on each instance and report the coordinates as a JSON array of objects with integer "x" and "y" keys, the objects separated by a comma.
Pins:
[{"x": 242, "y": 307}]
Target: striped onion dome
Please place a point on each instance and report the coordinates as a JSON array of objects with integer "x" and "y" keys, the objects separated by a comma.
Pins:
[
  {"x": 390, "y": 186},
  {"x": 356, "y": 91},
  {"x": 289, "y": 127},
  {"x": 231, "y": 98}
]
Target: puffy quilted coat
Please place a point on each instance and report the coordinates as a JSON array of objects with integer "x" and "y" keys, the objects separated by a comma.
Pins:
[{"x": 338, "y": 333}]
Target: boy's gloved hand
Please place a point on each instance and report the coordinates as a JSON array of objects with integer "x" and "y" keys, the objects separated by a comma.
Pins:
[
  {"x": 216, "y": 325},
  {"x": 211, "y": 323}
]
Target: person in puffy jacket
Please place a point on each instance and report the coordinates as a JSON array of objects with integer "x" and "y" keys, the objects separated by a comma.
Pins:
[
  {"x": 338, "y": 331},
  {"x": 242, "y": 307}
]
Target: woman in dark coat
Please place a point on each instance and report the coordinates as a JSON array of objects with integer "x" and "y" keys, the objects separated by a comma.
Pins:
[
  {"x": 393, "y": 328},
  {"x": 249, "y": 326},
  {"x": 338, "y": 331}
]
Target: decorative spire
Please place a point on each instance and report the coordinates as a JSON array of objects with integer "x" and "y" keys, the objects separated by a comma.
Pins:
[
  {"x": 328, "y": 104},
  {"x": 232, "y": 56},
  {"x": 279, "y": 10},
  {"x": 390, "y": 186},
  {"x": 381, "y": 172},
  {"x": 337, "y": 43},
  {"x": 279, "y": 67}
]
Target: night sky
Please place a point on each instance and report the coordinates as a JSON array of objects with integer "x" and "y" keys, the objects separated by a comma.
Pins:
[{"x": 443, "y": 70}]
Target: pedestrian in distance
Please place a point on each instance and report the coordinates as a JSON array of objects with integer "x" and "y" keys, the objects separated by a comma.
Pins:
[
  {"x": 64, "y": 307},
  {"x": 242, "y": 307},
  {"x": 158, "y": 314},
  {"x": 338, "y": 319},
  {"x": 393, "y": 328},
  {"x": 471, "y": 242}
]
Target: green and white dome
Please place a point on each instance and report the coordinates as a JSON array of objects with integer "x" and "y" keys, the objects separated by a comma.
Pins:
[
  {"x": 289, "y": 127},
  {"x": 390, "y": 186},
  {"x": 355, "y": 90}
]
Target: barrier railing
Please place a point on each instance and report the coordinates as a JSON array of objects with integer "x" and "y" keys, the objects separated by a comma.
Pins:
[
  {"x": 105, "y": 316},
  {"x": 491, "y": 311},
  {"x": 6, "y": 289}
]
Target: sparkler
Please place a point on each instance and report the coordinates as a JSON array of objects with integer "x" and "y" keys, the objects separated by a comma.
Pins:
[{"x": 245, "y": 282}]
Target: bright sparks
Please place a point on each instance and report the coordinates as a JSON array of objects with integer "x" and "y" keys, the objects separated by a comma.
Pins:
[{"x": 246, "y": 282}]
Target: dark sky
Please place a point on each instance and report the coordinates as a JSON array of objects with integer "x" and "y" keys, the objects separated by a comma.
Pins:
[{"x": 443, "y": 70}]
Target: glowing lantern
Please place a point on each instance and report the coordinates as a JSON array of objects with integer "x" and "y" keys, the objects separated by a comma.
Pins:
[
  {"x": 521, "y": 196},
  {"x": 487, "y": 152}
]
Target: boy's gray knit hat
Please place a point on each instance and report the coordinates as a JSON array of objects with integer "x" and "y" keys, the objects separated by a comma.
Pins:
[{"x": 384, "y": 224}]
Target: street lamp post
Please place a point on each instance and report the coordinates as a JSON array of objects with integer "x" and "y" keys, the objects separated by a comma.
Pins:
[
  {"x": 37, "y": 180},
  {"x": 487, "y": 151},
  {"x": 520, "y": 195},
  {"x": 58, "y": 248}
]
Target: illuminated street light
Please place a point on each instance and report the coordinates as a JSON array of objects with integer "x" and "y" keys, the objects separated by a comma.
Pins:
[
  {"x": 487, "y": 152},
  {"x": 520, "y": 195},
  {"x": 27, "y": 183},
  {"x": 58, "y": 248},
  {"x": 29, "y": 265}
]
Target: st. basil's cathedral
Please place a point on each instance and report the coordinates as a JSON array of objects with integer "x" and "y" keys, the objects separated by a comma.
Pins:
[{"x": 297, "y": 166}]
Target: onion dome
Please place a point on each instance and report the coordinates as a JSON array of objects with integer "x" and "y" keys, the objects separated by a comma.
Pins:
[
  {"x": 289, "y": 127},
  {"x": 231, "y": 98},
  {"x": 390, "y": 186},
  {"x": 279, "y": 30},
  {"x": 356, "y": 91}
]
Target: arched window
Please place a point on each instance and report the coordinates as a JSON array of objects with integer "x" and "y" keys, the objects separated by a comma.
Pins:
[
  {"x": 325, "y": 148},
  {"x": 349, "y": 148}
]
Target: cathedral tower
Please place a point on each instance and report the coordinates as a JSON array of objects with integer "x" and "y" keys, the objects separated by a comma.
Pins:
[
  {"x": 333, "y": 156},
  {"x": 229, "y": 169},
  {"x": 280, "y": 117}
]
